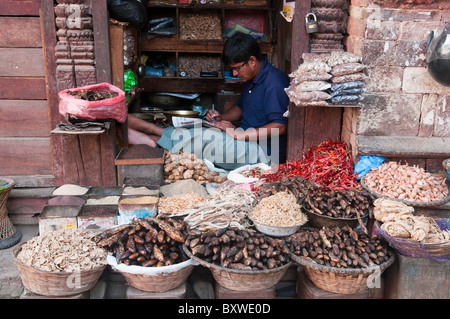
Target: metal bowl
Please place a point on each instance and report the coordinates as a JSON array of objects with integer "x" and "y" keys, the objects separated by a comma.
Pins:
[
  {"x": 277, "y": 231},
  {"x": 181, "y": 113}
]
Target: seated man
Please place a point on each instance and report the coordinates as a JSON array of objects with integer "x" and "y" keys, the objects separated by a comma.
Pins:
[{"x": 261, "y": 137}]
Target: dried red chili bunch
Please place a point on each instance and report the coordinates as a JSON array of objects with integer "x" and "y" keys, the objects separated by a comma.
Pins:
[{"x": 329, "y": 165}]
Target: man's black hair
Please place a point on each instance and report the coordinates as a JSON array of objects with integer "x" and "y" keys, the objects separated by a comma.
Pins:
[{"x": 239, "y": 48}]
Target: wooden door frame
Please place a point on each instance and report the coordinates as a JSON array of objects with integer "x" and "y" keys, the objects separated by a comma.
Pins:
[{"x": 308, "y": 126}]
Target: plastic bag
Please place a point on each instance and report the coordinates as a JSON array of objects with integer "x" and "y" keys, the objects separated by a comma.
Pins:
[
  {"x": 349, "y": 78},
  {"x": 313, "y": 86},
  {"x": 132, "y": 11},
  {"x": 113, "y": 108},
  {"x": 346, "y": 99},
  {"x": 311, "y": 77},
  {"x": 307, "y": 95},
  {"x": 237, "y": 177},
  {"x": 347, "y": 85},
  {"x": 152, "y": 271},
  {"x": 366, "y": 163},
  {"x": 341, "y": 57},
  {"x": 354, "y": 91},
  {"x": 161, "y": 27},
  {"x": 347, "y": 68}
]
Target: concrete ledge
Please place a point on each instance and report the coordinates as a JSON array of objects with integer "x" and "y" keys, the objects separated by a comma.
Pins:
[{"x": 408, "y": 146}]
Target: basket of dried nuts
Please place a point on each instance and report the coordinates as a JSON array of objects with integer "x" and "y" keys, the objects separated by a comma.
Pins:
[
  {"x": 59, "y": 263},
  {"x": 339, "y": 260}
]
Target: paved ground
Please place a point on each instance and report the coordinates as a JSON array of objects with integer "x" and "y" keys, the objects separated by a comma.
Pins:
[{"x": 10, "y": 282}]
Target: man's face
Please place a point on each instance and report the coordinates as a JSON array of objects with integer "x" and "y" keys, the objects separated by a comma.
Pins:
[{"x": 244, "y": 70}]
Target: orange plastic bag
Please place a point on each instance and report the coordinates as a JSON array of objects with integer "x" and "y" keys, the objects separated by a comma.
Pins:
[{"x": 110, "y": 108}]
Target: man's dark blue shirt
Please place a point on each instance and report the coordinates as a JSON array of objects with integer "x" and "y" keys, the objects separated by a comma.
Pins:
[{"x": 264, "y": 101}]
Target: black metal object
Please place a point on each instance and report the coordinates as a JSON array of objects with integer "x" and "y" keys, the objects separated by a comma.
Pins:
[{"x": 438, "y": 55}]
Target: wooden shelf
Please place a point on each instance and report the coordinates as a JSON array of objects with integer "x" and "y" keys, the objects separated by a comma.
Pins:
[
  {"x": 173, "y": 44},
  {"x": 260, "y": 5},
  {"x": 184, "y": 85}
]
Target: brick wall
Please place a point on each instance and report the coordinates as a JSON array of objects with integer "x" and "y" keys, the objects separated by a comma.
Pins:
[{"x": 402, "y": 101}]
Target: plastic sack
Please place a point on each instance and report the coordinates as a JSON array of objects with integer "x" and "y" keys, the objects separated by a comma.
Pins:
[
  {"x": 161, "y": 27},
  {"x": 349, "y": 78},
  {"x": 366, "y": 163},
  {"x": 237, "y": 177},
  {"x": 153, "y": 271},
  {"x": 347, "y": 85},
  {"x": 132, "y": 11},
  {"x": 354, "y": 91},
  {"x": 313, "y": 86},
  {"x": 113, "y": 108},
  {"x": 346, "y": 99},
  {"x": 306, "y": 96},
  {"x": 347, "y": 68}
]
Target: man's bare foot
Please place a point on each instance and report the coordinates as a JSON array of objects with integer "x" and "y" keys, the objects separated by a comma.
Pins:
[
  {"x": 144, "y": 126},
  {"x": 136, "y": 137}
]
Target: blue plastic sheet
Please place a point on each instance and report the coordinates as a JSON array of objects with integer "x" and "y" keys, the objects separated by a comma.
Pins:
[{"x": 366, "y": 163}]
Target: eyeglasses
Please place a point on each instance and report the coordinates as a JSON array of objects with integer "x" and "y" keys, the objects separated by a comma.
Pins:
[{"x": 237, "y": 68}]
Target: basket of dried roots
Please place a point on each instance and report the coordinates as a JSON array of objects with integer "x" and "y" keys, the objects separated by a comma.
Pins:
[
  {"x": 239, "y": 259},
  {"x": 60, "y": 263},
  {"x": 148, "y": 253},
  {"x": 412, "y": 235},
  {"x": 340, "y": 260}
]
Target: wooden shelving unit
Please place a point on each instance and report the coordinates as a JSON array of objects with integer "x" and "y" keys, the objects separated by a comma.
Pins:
[{"x": 174, "y": 47}]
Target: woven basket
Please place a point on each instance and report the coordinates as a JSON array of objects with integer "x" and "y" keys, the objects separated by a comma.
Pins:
[
  {"x": 414, "y": 204},
  {"x": 418, "y": 249},
  {"x": 56, "y": 284},
  {"x": 9, "y": 235},
  {"x": 242, "y": 280},
  {"x": 341, "y": 280},
  {"x": 158, "y": 283},
  {"x": 319, "y": 221}
]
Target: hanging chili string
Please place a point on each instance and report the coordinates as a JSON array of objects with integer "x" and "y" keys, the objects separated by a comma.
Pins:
[{"x": 329, "y": 165}]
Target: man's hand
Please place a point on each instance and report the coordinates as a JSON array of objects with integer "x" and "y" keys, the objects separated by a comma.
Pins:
[
  {"x": 210, "y": 115},
  {"x": 224, "y": 125}
]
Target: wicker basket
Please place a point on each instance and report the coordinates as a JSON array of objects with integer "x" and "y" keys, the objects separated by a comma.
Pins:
[
  {"x": 9, "y": 235},
  {"x": 319, "y": 221},
  {"x": 414, "y": 204},
  {"x": 341, "y": 280},
  {"x": 417, "y": 249},
  {"x": 242, "y": 280},
  {"x": 56, "y": 284},
  {"x": 161, "y": 282}
]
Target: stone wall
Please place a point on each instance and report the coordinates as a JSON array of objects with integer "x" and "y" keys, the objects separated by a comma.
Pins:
[{"x": 402, "y": 101}]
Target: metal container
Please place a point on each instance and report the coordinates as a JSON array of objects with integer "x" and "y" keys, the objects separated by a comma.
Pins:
[
  {"x": 277, "y": 231},
  {"x": 181, "y": 113}
]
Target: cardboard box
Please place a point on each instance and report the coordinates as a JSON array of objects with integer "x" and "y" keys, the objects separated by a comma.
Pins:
[
  {"x": 58, "y": 217},
  {"x": 137, "y": 207},
  {"x": 97, "y": 217}
]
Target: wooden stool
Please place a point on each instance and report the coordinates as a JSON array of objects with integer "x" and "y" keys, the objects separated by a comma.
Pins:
[{"x": 9, "y": 235}]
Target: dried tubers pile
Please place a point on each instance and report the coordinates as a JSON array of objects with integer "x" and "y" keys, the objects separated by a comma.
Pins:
[
  {"x": 145, "y": 242},
  {"x": 63, "y": 250},
  {"x": 186, "y": 166},
  {"x": 338, "y": 247},
  {"x": 238, "y": 249},
  {"x": 398, "y": 221}
]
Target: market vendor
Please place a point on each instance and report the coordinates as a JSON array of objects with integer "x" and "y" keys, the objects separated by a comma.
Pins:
[
  {"x": 263, "y": 100},
  {"x": 261, "y": 136}
]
